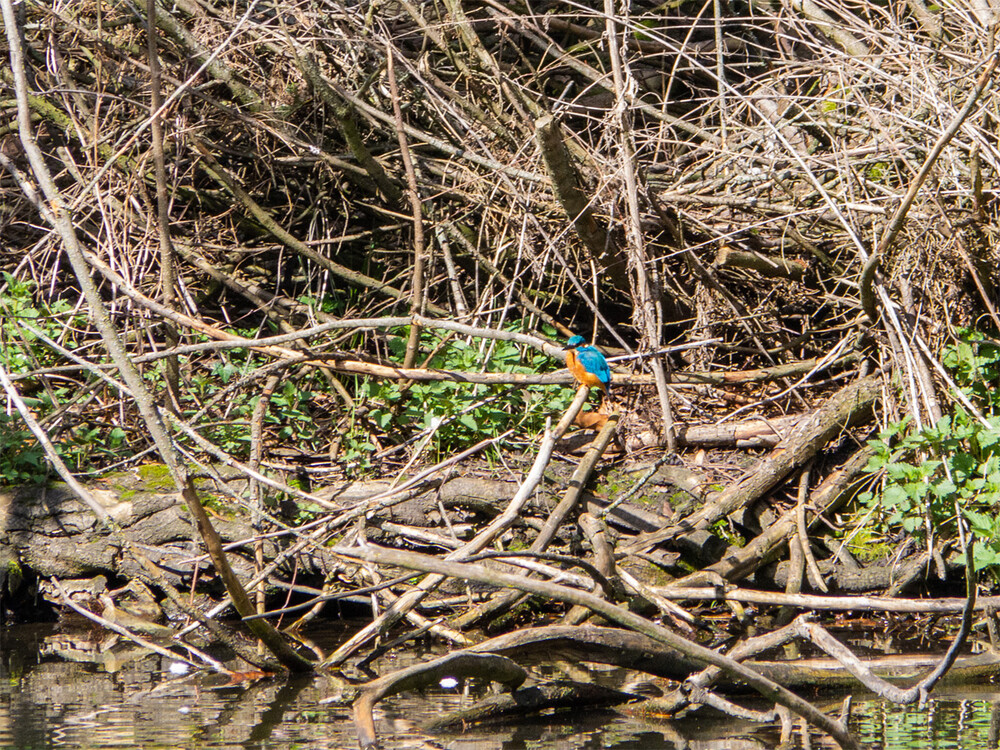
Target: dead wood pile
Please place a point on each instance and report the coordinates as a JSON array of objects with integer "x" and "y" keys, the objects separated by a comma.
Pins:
[{"x": 274, "y": 251}]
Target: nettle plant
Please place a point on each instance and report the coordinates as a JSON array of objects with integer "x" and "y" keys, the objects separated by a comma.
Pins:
[
  {"x": 462, "y": 414},
  {"x": 926, "y": 471}
]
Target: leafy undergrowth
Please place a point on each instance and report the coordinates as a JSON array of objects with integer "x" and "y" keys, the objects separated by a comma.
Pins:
[
  {"x": 221, "y": 392},
  {"x": 930, "y": 474},
  {"x": 451, "y": 416}
]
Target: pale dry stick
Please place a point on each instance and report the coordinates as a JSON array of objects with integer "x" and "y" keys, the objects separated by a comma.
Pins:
[
  {"x": 900, "y": 347},
  {"x": 457, "y": 295},
  {"x": 662, "y": 603},
  {"x": 720, "y": 74},
  {"x": 477, "y": 544},
  {"x": 796, "y": 574},
  {"x": 815, "y": 576},
  {"x": 337, "y": 361},
  {"x": 464, "y": 571},
  {"x": 945, "y": 605},
  {"x": 523, "y": 559},
  {"x": 413, "y": 195},
  {"x": 227, "y": 340},
  {"x": 648, "y": 311},
  {"x": 728, "y": 708},
  {"x": 830, "y": 26},
  {"x": 168, "y": 258},
  {"x": 237, "y": 342}
]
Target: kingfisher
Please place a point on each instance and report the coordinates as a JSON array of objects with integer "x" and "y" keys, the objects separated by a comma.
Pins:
[{"x": 587, "y": 364}]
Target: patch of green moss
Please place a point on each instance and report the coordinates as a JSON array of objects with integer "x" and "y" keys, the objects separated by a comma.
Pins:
[
  {"x": 723, "y": 530},
  {"x": 655, "y": 576},
  {"x": 868, "y": 547},
  {"x": 156, "y": 476},
  {"x": 15, "y": 576},
  {"x": 517, "y": 545},
  {"x": 617, "y": 483}
]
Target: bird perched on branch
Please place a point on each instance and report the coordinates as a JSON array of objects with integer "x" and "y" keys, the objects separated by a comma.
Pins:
[{"x": 587, "y": 364}]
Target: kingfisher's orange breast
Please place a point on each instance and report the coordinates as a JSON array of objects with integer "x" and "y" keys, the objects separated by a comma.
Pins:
[{"x": 582, "y": 375}]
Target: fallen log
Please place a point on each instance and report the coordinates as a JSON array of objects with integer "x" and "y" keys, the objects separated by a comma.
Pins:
[
  {"x": 847, "y": 406},
  {"x": 590, "y": 643},
  {"x": 552, "y": 696},
  {"x": 832, "y": 493},
  {"x": 897, "y": 668}
]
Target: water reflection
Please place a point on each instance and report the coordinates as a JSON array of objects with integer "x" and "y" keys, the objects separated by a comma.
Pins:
[{"x": 120, "y": 698}]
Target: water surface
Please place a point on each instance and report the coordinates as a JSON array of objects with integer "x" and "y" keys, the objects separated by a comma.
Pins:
[{"x": 126, "y": 699}]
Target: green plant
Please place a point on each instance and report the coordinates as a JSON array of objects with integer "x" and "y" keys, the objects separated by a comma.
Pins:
[
  {"x": 22, "y": 460},
  {"x": 21, "y": 350},
  {"x": 460, "y": 414},
  {"x": 924, "y": 472}
]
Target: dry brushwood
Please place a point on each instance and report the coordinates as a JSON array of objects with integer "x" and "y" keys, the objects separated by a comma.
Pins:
[{"x": 315, "y": 261}]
